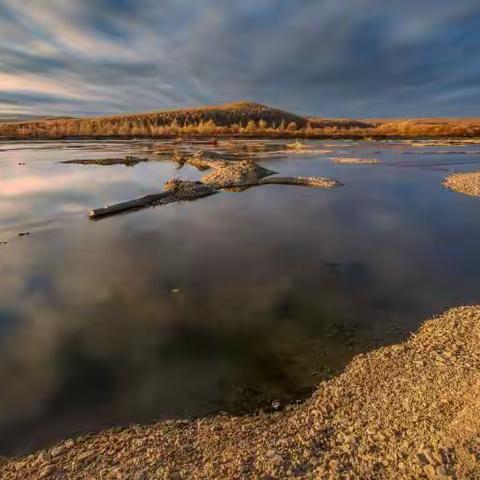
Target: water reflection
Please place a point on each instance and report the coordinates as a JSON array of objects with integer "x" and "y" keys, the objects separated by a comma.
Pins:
[{"x": 221, "y": 304}]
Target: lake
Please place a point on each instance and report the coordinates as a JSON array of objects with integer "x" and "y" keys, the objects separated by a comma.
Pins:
[{"x": 238, "y": 301}]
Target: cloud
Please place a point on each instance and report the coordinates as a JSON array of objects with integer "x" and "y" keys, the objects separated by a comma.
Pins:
[{"x": 352, "y": 58}]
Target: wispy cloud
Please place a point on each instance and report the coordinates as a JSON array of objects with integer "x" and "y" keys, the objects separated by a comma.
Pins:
[{"x": 351, "y": 58}]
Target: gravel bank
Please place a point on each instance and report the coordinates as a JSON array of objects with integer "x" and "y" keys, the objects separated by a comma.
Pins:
[
  {"x": 408, "y": 411},
  {"x": 466, "y": 183}
]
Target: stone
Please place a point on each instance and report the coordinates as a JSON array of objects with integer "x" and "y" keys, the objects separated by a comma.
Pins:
[
  {"x": 69, "y": 443},
  {"x": 46, "y": 472},
  {"x": 441, "y": 472},
  {"x": 44, "y": 456}
]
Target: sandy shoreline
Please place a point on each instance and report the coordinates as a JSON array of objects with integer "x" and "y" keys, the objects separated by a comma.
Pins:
[{"x": 406, "y": 411}]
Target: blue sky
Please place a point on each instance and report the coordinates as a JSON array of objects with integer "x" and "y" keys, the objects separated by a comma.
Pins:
[{"x": 347, "y": 58}]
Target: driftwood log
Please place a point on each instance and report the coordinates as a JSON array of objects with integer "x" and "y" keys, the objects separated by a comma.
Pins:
[
  {"x": 175, "y": 191},
  {"x": 141, "y": 202}
]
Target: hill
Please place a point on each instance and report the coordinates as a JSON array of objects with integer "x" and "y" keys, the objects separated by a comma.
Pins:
[
  {"x": 241, "y": 117},
  {"x": 239, "y": 113}
]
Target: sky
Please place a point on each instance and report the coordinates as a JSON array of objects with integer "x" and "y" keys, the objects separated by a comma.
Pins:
[{"x": 337, "y": 58}]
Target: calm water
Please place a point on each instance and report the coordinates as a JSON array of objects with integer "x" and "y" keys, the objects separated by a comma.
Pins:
[{"x": 225, "y": 303}]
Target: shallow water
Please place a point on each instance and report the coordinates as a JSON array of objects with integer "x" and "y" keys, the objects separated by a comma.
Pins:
[{"x": 226, "y": 303}]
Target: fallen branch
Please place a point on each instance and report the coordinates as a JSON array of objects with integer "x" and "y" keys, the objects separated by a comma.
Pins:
[
  {"x": 175, "y": 191},
  {"x": 142, "y": 202}
]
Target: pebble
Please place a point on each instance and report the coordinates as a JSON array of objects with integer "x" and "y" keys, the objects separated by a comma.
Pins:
[
  {"x": 429, "y": 456},
  {"x": 274, "y": 456},
  {"x": 44, "y": 456},
  {"x": 422, "y": 460},
  {"x": 430, "y": 471},
  {"x": 441, "y": 473},
  {"x": 69, "y": 443},
  {"x": 85, "y": 457},
  {"x": 276, "y": 404},
  {"x": 45, "y": 472},
  {"x": 55, "y": 452}
]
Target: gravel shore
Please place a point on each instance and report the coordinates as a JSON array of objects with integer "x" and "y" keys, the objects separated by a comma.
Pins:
[
  {"x": 466, "y": 183},
  {"x": 407, "y": 411}
]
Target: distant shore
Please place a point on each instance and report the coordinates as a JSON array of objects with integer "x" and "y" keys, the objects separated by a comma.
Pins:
[
  {"x": 405, "y": 411},
  {"x": 241, "y": 119},
  {"x": 256, "y": 136},
  {"x": 297, "y": 135}
]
